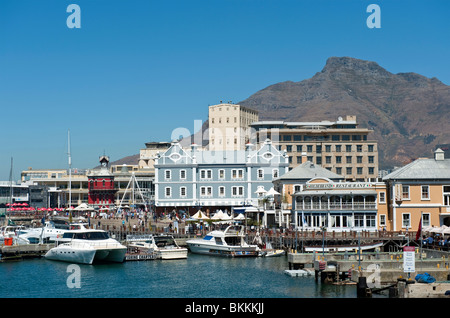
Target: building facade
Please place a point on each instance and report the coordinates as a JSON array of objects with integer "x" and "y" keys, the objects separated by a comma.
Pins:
[
  {"x": 229, "y": 126},
  {"x": 210, "y": 180},
  {"x": 101, "y": 186},
  {"x": 339, "y": 206},
  {"x": 420, "y": 190},
  {"x": 339, "y": 146}
]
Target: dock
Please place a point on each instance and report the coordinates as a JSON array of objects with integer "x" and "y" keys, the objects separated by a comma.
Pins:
[{"x": 18, "y": 252}]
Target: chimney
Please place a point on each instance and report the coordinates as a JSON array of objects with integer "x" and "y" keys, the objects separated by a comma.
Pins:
[
  {"x": 439, "y": 154},
  {"x": 304, "y": 157}
]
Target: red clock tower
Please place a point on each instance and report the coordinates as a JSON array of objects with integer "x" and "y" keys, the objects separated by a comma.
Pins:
[{"x": 101, "y": 186}]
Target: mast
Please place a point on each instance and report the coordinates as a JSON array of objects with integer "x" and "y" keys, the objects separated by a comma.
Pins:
[{"x": 70, "y": 169}]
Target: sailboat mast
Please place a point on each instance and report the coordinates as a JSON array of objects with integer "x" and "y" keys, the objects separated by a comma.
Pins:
[{"x": 70, "y": 169}]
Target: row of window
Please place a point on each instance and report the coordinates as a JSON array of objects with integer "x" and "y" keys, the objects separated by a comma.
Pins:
[
  {"x": 323, "y": 138},
  {"x": 319, "y": 148},
  {"x": 236, "y": 191},
  {"x": 207, "y": 174},
  {"x": 425, "y": 193}
]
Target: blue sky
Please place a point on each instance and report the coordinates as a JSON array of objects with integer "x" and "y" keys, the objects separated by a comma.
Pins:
[{"x": 138, "y": 69}]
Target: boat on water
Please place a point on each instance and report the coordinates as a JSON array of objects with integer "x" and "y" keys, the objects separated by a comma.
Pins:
[
  {"x": 343, "y": 248},
  {"x": 167, "y": 248},
  {"x": 230, "y": 242},
  {"x": 10, "y": 235},
  {"x": 269, "y": 251},
  {"x": 85, "y": 246}
]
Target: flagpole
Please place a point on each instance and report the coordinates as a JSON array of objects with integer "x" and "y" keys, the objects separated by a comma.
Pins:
[{"x": 421, "y": 238}]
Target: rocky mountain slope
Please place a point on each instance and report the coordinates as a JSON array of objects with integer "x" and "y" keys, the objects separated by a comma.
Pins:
[{"x": 409, "y": 113}]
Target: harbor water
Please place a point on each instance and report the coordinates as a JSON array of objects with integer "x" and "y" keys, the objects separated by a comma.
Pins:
[{"x": 198, "y": 276}]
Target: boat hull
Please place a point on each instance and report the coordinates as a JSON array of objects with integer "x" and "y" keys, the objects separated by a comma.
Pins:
[
  {"x": 227, "y": 251},
  {"x": 172, "y": 253},
  {"x": 85, "y": 255},
  {"x": 348, "y": 248},
  {"x": 71, "y": 255}
]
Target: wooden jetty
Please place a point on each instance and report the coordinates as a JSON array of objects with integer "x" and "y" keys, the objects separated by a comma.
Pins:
[{"x": 18, "y": 252}]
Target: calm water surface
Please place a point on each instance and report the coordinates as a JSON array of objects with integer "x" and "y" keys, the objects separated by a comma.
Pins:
[{"x": 198, "y": 276}]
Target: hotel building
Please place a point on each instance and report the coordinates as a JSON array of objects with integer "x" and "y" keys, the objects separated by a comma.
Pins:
[
  {"x": 341, "y": 146},
  {"x": 229, "y": 126}
]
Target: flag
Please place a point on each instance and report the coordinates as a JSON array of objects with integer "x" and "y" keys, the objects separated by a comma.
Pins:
[{"x": 419, "y": 230}]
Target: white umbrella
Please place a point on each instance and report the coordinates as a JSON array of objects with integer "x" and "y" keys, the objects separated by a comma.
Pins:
[
  {"x": 272, "y": 192},
  {"x": 240, "y": 217},
  {"x": 84, "y": 207},
  {"x": 200, "y": 216}
]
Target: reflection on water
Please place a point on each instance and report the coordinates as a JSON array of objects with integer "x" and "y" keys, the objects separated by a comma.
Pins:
[{"x": 197, "y": 276}]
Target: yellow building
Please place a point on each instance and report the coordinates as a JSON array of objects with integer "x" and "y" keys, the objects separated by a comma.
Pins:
[{"x": 421, "y": 188}]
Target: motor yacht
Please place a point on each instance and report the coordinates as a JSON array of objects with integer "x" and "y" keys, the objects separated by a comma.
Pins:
[
  {"x": 167, "y": 248},
  {"x": 230, "y": 242},
  {"x": 86, "y": 246}
]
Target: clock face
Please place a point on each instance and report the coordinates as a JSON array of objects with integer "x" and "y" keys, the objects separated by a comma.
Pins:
[{"x": 104, "y": 164}]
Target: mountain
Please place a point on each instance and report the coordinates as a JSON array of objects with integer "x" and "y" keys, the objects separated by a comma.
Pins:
[{"x": 409, "y": 113}]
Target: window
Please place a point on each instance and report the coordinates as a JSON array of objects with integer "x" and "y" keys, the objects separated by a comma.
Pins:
[
  {"x": 237, "y": 174},
  {"x": 183, "y": 192},
  {"x": 318, "y": 149},
  {"x": 370, "y": 220},
  {"x": 405, "y": 192},
  {"x": 338, "y": 148},
  {"x": 299, "y": 159},
  {"x": 221, "y": 191},
  {"x": 237, "y": 191},
  {"x": 446, "y": 192},
  {"x": 205, "y": 174},
  {"x": 382, "y": 198},
  {"x": 182, "y": 174},
  {"x": 371, "y": 170},
  {"x": 319, "y": 160},
  {"x": 221, "y": 174},
  {"x": 338, "y": 159},
  {"x": 297, "y": 188},
  {"x": 287, "y": 138},
  {"x": 348, "y": 148},
  {"x": 425, "y": 192},
  {"x": 299, "y": 148},
  {"x": 359, "y": 170},
  {"x": 359, "y": 159},
  {"x": 168, "y": 192},
  {"x": 297, "y": 138},
  {"x": 371, "y": 159},
  {"x": 349, "y": 170},
  {"x": 205, "y": 191},
  {"x": 382, "y": 219},
  {"x": 289, "y": 148},
  {"x": 260, "y": 174},
  {"x": 275, "y": 173},
  {"x": 328, "y": 159},
  {"x": 309, "y": 148},
  {"x": 327, "y": 148},
  {"x": 339, "y": 170},
  {"x": 348, "y": 159},
  {"x": 359, "y": 220},
  {"x": 406, "y": 220},
  {"x": 370, "y": 148},
  {"x": 359, "y": 148},
  {"x": 426, "y": 219}
]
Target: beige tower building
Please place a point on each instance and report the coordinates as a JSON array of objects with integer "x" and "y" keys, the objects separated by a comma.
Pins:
[{"x": 229, "y": 126}]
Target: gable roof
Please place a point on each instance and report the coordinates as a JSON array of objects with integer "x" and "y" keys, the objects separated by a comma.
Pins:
[
  {"x": 422, "y": 169},
  {"x": 309, "y": 170}
]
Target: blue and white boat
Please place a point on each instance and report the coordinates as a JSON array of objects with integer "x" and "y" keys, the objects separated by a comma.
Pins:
[{"x": 230, "y": 242}]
